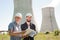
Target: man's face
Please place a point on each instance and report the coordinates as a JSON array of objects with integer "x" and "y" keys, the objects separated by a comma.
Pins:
[
  {"x": 17, "y": 19},
  {"x": 28, "y": 18}
]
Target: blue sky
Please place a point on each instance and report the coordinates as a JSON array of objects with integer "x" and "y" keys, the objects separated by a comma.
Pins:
[{"x": 7, "y": 10}]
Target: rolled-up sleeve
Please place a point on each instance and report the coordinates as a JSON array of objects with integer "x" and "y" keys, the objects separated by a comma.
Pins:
[{"x": 10, "y": 27}]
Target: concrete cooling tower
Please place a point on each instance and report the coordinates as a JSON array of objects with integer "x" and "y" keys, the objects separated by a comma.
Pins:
[
  {"x": 48, "y": 20},
  {"x": 22, "y": 6}
]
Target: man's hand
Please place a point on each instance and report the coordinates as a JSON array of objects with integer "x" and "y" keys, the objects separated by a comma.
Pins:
[{"x": 24, "y": 35}]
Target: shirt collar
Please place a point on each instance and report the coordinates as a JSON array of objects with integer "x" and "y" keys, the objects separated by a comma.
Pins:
[{"x": 16, "y": 23}]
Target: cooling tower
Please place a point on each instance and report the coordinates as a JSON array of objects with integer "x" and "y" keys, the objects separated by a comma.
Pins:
[
  {"x": 22, "y": 6},
  {"x": 48, "y": 20}
]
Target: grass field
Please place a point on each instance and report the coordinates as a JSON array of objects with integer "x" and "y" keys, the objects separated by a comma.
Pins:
[
  {"x": 4, "y": 37},
  {"x": 39, "y": 36},
  {"x": 50, "y": 36}
]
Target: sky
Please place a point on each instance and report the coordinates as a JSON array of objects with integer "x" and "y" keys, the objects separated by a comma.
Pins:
[{"x": 7, "y": 10}]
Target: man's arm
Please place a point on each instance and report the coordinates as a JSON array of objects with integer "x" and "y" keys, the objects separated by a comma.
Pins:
[
  {"x": 11, "y": 33},
  {"x": 11, "y": 30},
  {"x": 23, "y": 27}
]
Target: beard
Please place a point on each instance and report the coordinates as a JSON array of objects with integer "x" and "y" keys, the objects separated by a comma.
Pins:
[
  {"x": 28, "y": 20},
  {"x": 18, "y": 22}
]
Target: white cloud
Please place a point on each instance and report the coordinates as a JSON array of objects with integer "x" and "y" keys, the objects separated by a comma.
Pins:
[{"x": 54, "y": 3}]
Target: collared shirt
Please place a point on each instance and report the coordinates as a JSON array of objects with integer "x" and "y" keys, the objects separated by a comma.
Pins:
[{"x": 16, "y": 28}]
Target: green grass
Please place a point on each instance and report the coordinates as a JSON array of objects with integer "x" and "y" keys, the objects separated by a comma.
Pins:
[
  {"x": 50, "y": 36},
  {"x": 39, "y": 36},
  {"x": 4, "y": 37}
]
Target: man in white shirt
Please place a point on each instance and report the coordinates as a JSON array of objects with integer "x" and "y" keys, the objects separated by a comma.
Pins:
[{"x": 14, "y": 28}]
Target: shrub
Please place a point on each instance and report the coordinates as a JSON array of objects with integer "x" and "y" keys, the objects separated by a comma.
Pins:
[
  {"x": 47, "y": 32},
  {"x": 56, "y": 32}
]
